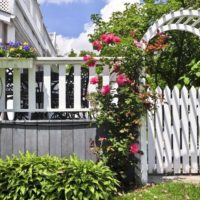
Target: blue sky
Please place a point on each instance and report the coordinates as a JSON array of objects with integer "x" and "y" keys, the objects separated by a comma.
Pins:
[{"x": 69, "y": 19}]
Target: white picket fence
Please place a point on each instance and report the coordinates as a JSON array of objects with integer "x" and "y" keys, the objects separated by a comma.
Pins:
[
  {"x": 173, "y": 140},
  {"x": 170, "y": 139},
  {"x": 46, "y": 63}
]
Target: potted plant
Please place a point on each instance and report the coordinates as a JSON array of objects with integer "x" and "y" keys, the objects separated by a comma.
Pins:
[{"x": 17, "y": 55}]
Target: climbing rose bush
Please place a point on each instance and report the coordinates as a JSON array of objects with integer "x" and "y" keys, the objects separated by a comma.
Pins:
[{"x": 119, "y": 105}]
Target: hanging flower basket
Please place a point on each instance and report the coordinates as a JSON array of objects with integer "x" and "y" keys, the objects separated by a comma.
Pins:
[{"x": 7, "y": 62}]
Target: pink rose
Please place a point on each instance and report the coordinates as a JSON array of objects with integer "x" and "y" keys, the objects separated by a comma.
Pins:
[
  {"x": 116, "y": 39},
  {"x": 110, "y": 38},
  {"x": 89, "y": 60},
  {"x": 107, "y": 38},
  {"x": 122, "y": 80},
  {"x": 134, "y": 148},
  {"x": 94, "y": 80},
  {"x": 97, "y": 45},
  {"x": 137, "y": 43},
  {"x": 104, "y": 38},
  {"x": 105, "y": 90},
  {"x": 86, "y": 58}
]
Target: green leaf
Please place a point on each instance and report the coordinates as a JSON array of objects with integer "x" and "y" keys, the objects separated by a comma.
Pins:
[{"x": 198, "y": 74}]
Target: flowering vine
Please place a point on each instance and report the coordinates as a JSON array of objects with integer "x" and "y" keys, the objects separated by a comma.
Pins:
[{"x": 119, "y": 109}]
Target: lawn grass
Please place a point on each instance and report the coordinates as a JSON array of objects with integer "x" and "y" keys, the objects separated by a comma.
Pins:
[{"x": 165, "y": 191}]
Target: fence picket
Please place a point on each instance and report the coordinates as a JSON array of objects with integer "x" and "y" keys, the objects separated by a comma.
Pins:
[
  {"x": 31, "y": 89},
  {"x": 62, "y": 87},
  {"x": 159, "y": 142},
  {"x": 193, "y": 130},
  {"x": 77, "y": 86},
  {"x": 92, "y": 73},
  {"x": 167, "y": 130},
  {"x": 16, "y": 89},
  {"x": 151, "y": 142},
  {"x": 198, "y": 113},
  {"x": 185, "y": 129},
  {"x": 106, "y": 75},
  {"x": 2, "y": 89},
  {"x": 176, "y": 130},
  {"x": 47, "y": 87}
]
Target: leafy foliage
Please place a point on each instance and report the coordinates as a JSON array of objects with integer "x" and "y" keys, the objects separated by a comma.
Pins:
[
  {"x": 119, "y": 109},
  {"x": 83, "y": 180},
  {"x": 2, "y": 51},
  {"x": 32, "y": 177},
  {"x": 182, "y": 47},
  {"x": 192, "y": 78},
  {"x": 26, "y": 177}
]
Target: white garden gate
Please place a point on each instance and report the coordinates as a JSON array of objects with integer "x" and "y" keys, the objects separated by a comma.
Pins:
[
  {"x": 173, "y": 132},
  {"x": 171, "y": 139}
]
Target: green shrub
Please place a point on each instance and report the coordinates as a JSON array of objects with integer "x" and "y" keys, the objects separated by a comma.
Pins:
[
  {"x": 26, "y": 177},
  {"x": 85, "y": 180},
  {"x": 30, "y": 177}
]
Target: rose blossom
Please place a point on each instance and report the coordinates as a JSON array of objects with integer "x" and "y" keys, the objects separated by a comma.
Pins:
[
  {"x": 86, "y": 58},
  {"x": 90, "y": 61},
  {"x": 134, "y": 148},
  {"x": 105, "y": 90},
  {"x": 97, "y": 45},
  {"x": 122, "y": 80},
  {"x": 116, "y": 39},
  {"x": 110, "y": 38},
  {"x": 94, "y": 80}
]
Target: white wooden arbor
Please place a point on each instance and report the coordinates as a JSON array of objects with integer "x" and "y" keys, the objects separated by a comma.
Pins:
[
  {"x": 160, "y": 146},
  {"x": 183, "y": 20}
]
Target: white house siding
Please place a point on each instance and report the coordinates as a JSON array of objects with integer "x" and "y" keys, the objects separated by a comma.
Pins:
[{"x": 21, "y": 20}]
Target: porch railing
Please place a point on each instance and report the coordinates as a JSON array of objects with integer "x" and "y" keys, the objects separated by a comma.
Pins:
[{"x": 44, "y": 87}]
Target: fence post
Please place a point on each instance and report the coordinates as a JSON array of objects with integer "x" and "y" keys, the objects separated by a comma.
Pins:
[{"x": 143, "y": 147}]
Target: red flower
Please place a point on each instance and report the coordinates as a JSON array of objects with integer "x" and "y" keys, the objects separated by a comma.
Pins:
[
  {"x": 122, "y": 80},
  {"x": 134, "y": 148},
  {"x": 94, "y": 80},
  {"x": 116, "y": 39},
  {"x": 110, "y": 38},
  {"x": 97, "y": 45},
  {"x": 89, "y": 60},
  {"x": 105, "y": 90}
]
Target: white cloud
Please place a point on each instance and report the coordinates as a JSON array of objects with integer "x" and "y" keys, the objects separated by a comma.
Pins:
[
  {"x": 81, "y": 43},
  {"x": 65, "y": 44},
  {"x": 62, "y": 1},
  {"x": 114, "y": 6}
]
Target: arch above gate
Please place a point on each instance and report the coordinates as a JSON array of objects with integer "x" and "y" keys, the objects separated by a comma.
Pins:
[{"x": 184, "y": 19}]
